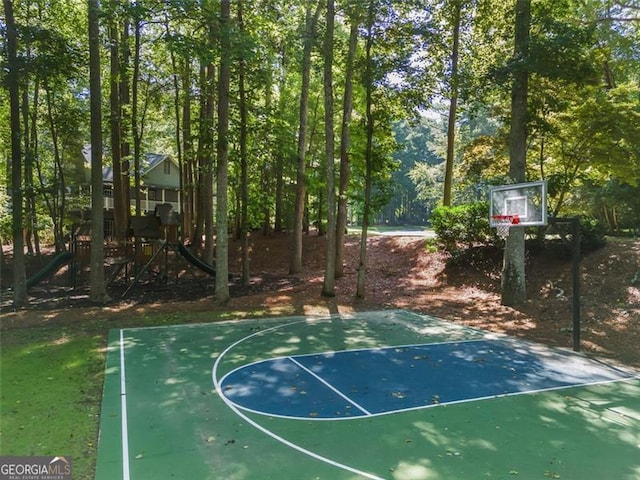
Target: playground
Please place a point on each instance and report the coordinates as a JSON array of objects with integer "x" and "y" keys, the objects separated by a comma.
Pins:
[{"x": 153, "y": 264}]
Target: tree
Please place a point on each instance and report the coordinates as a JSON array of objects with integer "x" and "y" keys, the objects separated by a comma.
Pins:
[
  {"x": 136, "y": 124},
  {"x": 581, "y": 108},
  {"x": 98, "y": 287},
  {"x": 13, "y": 79},
  {"x": 328, "y": 288},
  {"x": 368, "y": 156},
  {"x": 222, "y": 169},
  {"x": 311, "y": 21},
  {"x": 244, "y": 176},
  {"x": 513, "y": 270},
  {"x": 120, "y": 177},
  {"x": 453, "y": 102},
  {"x": 595, "y": 140},
  {"x": 419, "y": 172},
  {"x": 345, "y": 142}
]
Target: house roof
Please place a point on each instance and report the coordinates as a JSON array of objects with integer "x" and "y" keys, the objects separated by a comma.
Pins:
[{"x": 150, "y": 161}]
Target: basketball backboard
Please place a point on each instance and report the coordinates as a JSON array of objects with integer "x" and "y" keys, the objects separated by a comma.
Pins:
[{"x": 526, "y": 201}]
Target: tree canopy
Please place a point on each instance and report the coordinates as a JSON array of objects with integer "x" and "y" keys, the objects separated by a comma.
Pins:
[{"x": 215, "y": 87}]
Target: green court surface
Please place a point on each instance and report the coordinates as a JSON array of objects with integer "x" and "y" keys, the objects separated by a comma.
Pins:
[{"x": 178, "y": 404}]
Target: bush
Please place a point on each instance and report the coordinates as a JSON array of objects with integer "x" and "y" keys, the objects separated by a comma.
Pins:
[
  {"x": 592, "y": 234},
  {"x": 461, "y": 225}
]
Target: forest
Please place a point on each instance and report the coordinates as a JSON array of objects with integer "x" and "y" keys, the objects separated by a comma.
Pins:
[{"x": 285, "y": 115}]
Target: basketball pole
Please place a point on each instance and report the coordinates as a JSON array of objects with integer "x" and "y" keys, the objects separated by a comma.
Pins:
[
  {"x": 575, "y": 274},
  {"x": 575, "y": 254}
]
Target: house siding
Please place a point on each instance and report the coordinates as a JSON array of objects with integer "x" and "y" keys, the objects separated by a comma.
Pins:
[{"x": 160, "y": 176}]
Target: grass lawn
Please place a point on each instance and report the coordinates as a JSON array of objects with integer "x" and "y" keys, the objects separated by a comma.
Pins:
[{"x": 51, "y": 382}]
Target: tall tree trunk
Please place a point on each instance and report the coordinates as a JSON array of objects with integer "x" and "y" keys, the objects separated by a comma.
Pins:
[
  {"x": 295, "y": 264},
  {"x": 207, "y": 192},
  {"x": 30, "y": 159},
  {"x": 222, "y": 170},
  {"x": 125, "y": 119},
  {"x": 31, "y": 230},
  {"x": 120, "y": 207},
  {"x": 187, "y": 178},
  {"x": 54, "y": 199},
  {"x": 329, "y": 286},
  {"x": 244, "y": 180},
  {"x": 368, "y": 156},
  {"x": 345, "y": 143},
  {"x": 267, "y": 165},
  {"x": 13, "y": 83},
  {"x": 453, "y": 105},
  {"x": 135, "y": 129},
  {"x": 513, "y": 270},
  {"x": 266, "y": 197},
  {"x": 204, "y": 156},
  {"x": 179, "y": 131},
  {"x": 98, "y": 288},
  {"x": 280, "y": 160}
]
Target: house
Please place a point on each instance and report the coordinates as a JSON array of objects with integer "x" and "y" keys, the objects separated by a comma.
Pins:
[{"x": 159, "y": 179}]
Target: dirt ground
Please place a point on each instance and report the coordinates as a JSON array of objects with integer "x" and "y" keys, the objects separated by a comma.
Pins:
[{"x": 402, "y": 274}]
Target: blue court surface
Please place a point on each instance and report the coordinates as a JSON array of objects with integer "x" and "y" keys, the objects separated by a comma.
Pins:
[
  {"x": 355, "y": 383},
  {"x": 385, "y": 395}
]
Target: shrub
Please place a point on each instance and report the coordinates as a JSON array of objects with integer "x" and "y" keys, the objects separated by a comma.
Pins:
[
  {"x": 592, "y": 234},
  {"x": 461, "y": 225}
]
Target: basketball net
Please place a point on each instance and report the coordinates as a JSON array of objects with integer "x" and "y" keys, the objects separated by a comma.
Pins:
[{"x": 504, "y": 224}]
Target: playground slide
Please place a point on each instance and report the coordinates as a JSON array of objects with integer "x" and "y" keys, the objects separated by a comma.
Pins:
[
  {"x": 205, "y": 267},
  {"x": 52, "y": 267}
]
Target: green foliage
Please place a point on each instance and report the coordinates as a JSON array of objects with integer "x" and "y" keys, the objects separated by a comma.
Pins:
[
  {"x": 615, "y": 203},
  {"x": 428, "y": 180},
  {"x": 431, "y": 245},
  {"x": 5, "y": 215},
  {"x": 583, "y": 106},
  {"x": 461, "y": 225},
  {"x": 584, "y": 101},
  {"x": 592, "y": 234},
  {"x": 417, "y": 182}
]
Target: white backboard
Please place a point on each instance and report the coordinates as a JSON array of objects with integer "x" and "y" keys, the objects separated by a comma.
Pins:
[{"x": 526, "y": 200}]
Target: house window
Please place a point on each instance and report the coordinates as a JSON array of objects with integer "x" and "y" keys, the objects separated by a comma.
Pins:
[
  {"x": 152, "y": 194},
  {"x": 167, "y": 167},
  {"x": 107, "y": 191},
  {"x": 109, "y": 226},
  {"x": 170, "y": 195}
]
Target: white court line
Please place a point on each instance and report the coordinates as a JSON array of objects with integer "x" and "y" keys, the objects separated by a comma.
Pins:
[
  {"x": 539, "y": 351},
  {"x": 236, "y": 410},
  {"x": 123, "y": 407},
  {"x": 319, "y": 378},
  {"x": 431, "y": 405},
  {"x": 381, "y": 348}
]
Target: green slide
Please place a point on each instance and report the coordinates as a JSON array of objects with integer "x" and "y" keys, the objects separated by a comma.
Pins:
[{"x": 53, "y": 266}]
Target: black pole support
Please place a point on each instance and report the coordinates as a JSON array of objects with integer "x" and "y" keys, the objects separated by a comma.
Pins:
[
  {"x": 575, "y": 254},
  {"x": 575, "y": 274}
]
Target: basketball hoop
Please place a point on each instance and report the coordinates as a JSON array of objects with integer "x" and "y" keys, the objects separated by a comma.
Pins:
[{"x": 504, "y": 223}]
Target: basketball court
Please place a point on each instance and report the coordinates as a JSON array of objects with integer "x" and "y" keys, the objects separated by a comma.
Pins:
[{"x": 373, "y": 395}]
